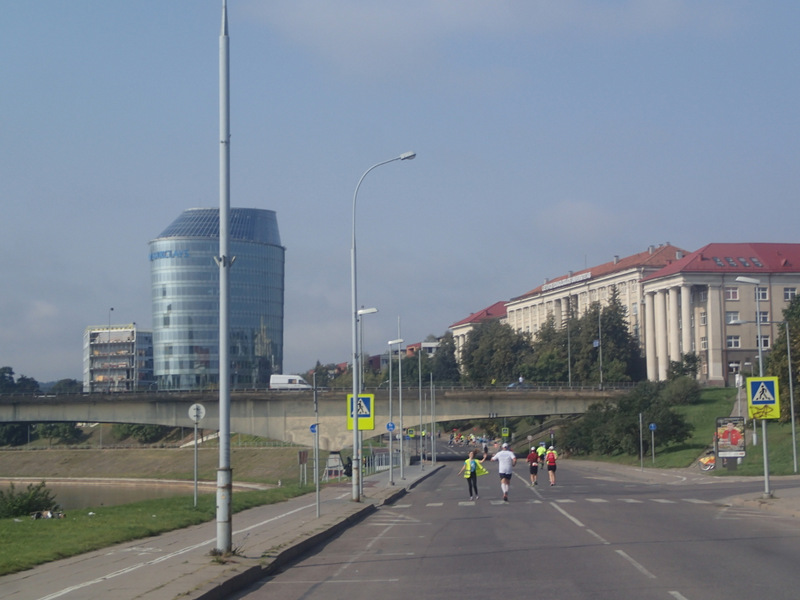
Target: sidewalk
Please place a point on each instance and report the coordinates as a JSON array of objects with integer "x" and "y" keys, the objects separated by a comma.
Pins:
[{"x": 179, "y": 564}]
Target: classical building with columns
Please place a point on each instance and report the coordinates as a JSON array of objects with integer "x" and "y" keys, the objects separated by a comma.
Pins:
[
  {"x": 697, "y": 305},
  {"x": 574, "y": 292}
]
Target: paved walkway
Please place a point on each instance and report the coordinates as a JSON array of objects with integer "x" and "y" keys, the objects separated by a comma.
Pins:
[{"x": 178, "y": 565}]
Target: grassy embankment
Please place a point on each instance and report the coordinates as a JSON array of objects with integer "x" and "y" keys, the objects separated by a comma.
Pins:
[
  {"x": 719, "y": 402},
  {"x": 28, "y": 542}
]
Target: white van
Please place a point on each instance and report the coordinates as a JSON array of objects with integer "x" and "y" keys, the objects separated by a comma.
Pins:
[{"x": 288, "y": 382}]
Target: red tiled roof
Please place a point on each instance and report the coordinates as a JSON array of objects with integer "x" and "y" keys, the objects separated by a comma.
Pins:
[
  {"x": 753, "y": 258},
  {"x": 653, "y": 258},
  {"x": 495, "y": 311}
]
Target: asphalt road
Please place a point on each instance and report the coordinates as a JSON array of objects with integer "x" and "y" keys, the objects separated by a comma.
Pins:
[{"x": 595, "y": 535}]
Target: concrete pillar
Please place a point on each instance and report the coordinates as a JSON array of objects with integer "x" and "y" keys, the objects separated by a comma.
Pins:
[
  {"x": 672, "y": 324},
  {"x": 650, "y": 337},
  {"x": 662, "y": 342},
  {"x": 686, "y": 319},
  {"x": 557, "y": 312},
  {"x": 716, "y": 336}
]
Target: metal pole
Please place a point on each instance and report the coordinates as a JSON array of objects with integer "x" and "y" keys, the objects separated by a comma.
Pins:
[
  {"x": 767, "y": 492},
  {"x": 400, "y": 397},
  {"x": 195, "y": 464},
  {"x": 224, "y": 261},
  {"x": 433, "y": 421},
  {"x": 391, "y": 433},
  {"x": 791, "y": 394},
  {"x": 316, "y": 442},
  {"x": 419, "y": 387}
]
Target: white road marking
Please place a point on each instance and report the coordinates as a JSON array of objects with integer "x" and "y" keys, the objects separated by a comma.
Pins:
[{"x": 638, "y": 566}]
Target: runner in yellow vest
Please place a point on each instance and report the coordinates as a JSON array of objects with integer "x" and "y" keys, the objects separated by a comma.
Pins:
[{"x": 471, "y": 469}]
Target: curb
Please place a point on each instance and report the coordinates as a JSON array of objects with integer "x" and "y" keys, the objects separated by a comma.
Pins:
[{"x": 230, "y": 582}]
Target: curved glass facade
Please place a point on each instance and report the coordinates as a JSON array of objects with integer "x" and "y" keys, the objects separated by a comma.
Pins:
[{"x": 185, "y": 291}]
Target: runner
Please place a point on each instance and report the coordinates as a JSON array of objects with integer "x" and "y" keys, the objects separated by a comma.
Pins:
[{"x": 506, "y": 461}]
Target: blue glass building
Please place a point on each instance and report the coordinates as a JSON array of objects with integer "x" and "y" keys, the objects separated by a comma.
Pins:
[{"x": 185, "y": 288}]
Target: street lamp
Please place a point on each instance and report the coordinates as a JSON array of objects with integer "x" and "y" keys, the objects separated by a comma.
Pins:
[
  {"x": 354, "y": 316},
  {"x": 756, "y": 283},
  {"x": 391, "y": 433}
]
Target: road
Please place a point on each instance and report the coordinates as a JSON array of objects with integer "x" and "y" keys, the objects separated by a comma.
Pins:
[{"x": 596, "y": 535}]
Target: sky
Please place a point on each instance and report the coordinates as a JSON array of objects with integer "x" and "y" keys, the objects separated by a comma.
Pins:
[{"x": 550, "y": 136}]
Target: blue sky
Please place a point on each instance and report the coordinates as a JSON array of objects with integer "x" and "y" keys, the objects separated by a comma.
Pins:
[{"x": 550, "y": 136}]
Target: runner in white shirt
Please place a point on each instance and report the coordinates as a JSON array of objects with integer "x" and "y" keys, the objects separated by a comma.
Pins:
[{"x": 506, "y": 461}]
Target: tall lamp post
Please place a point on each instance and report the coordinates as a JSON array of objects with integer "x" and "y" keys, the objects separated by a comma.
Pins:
[
  {"x": 354, "y": 316},
  {"x": 756, "y": 283},
  {"x": 391, "y": 433}
]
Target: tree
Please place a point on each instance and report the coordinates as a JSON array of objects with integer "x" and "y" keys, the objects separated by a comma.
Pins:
[
  {"x": 608, "y": 428},
  {"x": 65, "y": 433},
  {"x": 13, "y": 434},
  {"x": 7, "y": 384},
  {"x": 444, "y": 365},
  {"x": 777, "y": 363},
  {"x": 67, "y": 386},
  {"x": 495, "y": 352}
]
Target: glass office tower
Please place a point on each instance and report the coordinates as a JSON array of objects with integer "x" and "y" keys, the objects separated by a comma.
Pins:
[{"x": 185, "y": 288}]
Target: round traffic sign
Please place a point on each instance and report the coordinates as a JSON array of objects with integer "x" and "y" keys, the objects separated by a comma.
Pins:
[
  {"x": 313, "y": 428},
  {"x": 390, "y": 426},
  {"x": 197, "y": 412}
]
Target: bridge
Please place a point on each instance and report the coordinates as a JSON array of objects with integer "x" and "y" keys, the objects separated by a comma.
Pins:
[{"x": 288, "y": 415}]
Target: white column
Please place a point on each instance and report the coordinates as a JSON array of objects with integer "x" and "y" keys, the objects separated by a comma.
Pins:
[
  {"x": 661, "y": 334},
  {"x": 686, "y": 319},
  {"x": 650, "y": 337},
  {"x": 672, "y": 324},
  {"x": 716, "y": 336},
  {"x": 557, "y": 318}
]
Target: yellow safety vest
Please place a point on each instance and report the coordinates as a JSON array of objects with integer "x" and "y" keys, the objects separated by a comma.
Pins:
[{"x": 479, "y": 470}]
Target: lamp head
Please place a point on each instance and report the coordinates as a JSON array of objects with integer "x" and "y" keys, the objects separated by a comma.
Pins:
[
  {"x": 752, "y": 280},
  {"x": 398, "y": 341},
  {"x": 408, "y": 156},
  {"x": 366, "y": 311}
]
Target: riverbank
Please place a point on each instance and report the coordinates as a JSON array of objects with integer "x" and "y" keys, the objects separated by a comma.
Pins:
[{"x": 266, "y": 465}]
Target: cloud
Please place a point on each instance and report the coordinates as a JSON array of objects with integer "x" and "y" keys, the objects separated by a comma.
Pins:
[{"x": 369, "y": 35}]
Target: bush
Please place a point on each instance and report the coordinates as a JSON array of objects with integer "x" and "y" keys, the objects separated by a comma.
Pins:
[{"x": 17, "y": 504}]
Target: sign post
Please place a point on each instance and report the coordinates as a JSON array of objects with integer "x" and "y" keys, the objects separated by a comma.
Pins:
[
  {"x": 196, "y": 414},
  {"x": 763, "y": 402},
  {"x": 653, "y": 427}
]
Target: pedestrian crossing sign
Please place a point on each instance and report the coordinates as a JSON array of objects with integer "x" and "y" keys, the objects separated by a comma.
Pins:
[
  {"x": 366, "y": 414},
  {"x": 763, "y": 398}
]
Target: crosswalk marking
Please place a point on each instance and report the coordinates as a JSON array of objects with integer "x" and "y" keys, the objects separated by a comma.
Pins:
[{"x": 495, "y": 502}]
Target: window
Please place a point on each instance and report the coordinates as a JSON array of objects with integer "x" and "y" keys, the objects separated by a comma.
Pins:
[
  {"x": 733, "y": 341},
  {"x": 789, "y": 294},
  {"x": 731, "y": 293},
  {"x": 763, "y": 316},
  {"x": 734, "y": 366},
  {"x": 703, "y": 318},
  {"x": 703, "y": 343},
  {"x": 702, "y": 296},
  {"x": 762, "y": 293},
  {"x": 732, "y": 317},
  {"x": 765, "y": 342}
]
